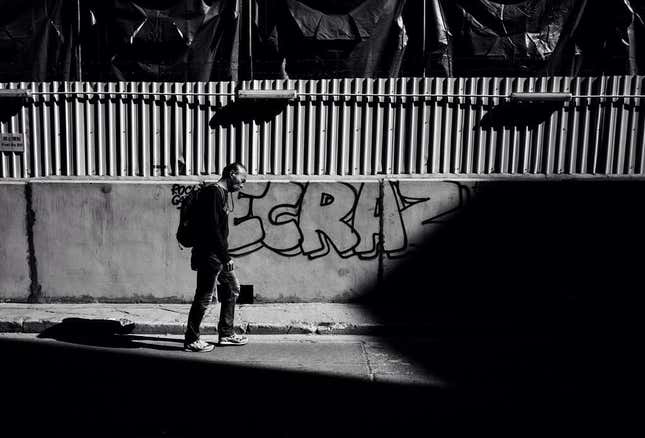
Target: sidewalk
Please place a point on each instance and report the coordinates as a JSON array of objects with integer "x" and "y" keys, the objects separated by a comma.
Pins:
[{"x": 290, "y": 318}]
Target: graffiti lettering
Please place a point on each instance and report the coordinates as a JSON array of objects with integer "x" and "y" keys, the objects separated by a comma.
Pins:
[
  {"x": 311, "y": 219},
  {"x": 179, "y": 192},
  {"x": 326, "y": 220}
]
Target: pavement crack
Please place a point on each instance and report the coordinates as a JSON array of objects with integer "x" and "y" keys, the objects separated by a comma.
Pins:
[
  {"x": 367, "y": 361},
  {"x": 171, "y": 310},
  {"x": 52, "y": 311}
]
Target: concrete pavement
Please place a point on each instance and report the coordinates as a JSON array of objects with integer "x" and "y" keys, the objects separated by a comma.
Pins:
[
  {"x": 362, "y": 357},
  {"x": 290, "y": 318},
  {"x": 84, "y": 382},
  {"x": 278, "y": 385}
]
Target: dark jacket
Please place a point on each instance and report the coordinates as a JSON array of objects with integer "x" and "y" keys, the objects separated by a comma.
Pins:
[{"x": 212, "y": 222}]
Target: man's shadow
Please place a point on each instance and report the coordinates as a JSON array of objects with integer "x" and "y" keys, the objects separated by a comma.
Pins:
[{"x": 103, "y": 333}]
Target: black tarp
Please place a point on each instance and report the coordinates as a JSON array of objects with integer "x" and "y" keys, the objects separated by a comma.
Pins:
[
  {"x": 596, "y": 40},
  {"x": 330, "y": 38},
  {"x": 37, "y": 40},
  {"x": 432, "y": 55},
  {"x": 198, "y": 40},
  {"x": 524, "y": 38},
  {"x": 494, "y": 38},
  {"x": 637, "y": 38},
  {"x": 159, "y": 40}
]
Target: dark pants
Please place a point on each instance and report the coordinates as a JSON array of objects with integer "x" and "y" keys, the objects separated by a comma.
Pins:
[{"x": 209, "y": 272}]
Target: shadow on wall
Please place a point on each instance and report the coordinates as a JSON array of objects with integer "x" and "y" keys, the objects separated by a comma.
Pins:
[
  {"x": 246, "y": 111},
  {"x": 534, "y": 293},
  {"x": 521, "y": 252},
  {"x": 506, "y": 114},
  {"x": 518, "y": 114},
  {"x": 9, "y": 107}
]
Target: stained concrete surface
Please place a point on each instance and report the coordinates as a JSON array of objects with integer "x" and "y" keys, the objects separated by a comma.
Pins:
[
  {"x": 14, "y": 245},
  {"x": 108, "y": 240},
  {"x": 294, "y": 241}
]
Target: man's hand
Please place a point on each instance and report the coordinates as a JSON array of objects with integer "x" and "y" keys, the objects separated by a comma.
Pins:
[{"x": 228, "y": 267}]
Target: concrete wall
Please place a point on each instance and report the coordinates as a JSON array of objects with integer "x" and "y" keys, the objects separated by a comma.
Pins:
[
  {"x": 315, "y": 241},
  {"x": 14, "y": 249},
  {"x": 108, "y": 241},
  {"x": 293, "y": 241}
]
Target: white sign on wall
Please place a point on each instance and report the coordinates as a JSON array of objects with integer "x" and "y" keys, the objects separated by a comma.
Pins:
[{"x": 12, "y": 143}]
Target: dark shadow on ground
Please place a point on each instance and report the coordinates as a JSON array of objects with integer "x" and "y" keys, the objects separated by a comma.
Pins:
[
  {"x": 102, "y": 333},
  {"x": 534, "y": 293},
  {"x": 61, "y": 389}
]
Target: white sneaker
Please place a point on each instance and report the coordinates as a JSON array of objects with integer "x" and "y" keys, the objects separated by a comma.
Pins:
[
  {"x": 198, "y": 346},
  {"x": 234, "y": 339}
]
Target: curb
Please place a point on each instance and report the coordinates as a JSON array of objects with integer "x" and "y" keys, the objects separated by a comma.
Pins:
[{"x": 259, "y": 328}]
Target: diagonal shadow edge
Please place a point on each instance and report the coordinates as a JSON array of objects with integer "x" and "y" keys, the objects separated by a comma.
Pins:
[{"x": 529, "y": 293}]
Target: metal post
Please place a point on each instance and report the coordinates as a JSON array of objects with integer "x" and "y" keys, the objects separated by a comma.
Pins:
[
  {"x": 423, "y": 39},
  {"x": 246, "y": 39},
  {"x": 249, "y": 24},
  {"x": 631, "y": 32},
  {"x": 79, "y": 64}
]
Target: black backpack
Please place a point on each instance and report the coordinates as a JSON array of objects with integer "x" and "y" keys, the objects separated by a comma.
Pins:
[{"x": 188, "y": 210}]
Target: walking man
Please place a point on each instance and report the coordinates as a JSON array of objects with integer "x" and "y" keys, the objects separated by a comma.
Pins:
[{"x": 211, "y": 260}]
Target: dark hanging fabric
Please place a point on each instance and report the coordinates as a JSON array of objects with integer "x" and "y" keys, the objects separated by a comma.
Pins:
[
  {"x": 37, "y": 40},
  {"x": 637, "y": 38},
  {"x": 532, "y": 37},
  {"x": 437, "y": 46},
  {"x": 330, "y": 38},
  {"x": 596, "y": 40},
  {"x": 439, "y": 41},
  {"x": 504, "y": 38},
  {"x": 162, "y": 40}
]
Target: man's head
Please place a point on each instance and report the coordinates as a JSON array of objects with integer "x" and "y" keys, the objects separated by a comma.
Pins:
[{"x": 234, "y": 175}]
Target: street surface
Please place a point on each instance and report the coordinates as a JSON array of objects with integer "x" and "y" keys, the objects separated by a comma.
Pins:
[
  {"x": 75, "y": 384},
  {"x": 146, "y": 385},
  {"x": 360, "y": 357}
]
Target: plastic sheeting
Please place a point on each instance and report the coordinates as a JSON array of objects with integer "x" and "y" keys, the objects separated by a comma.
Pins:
[
  {"x": 527, "y": 38},
  {"x": 491, "y": 38},
  {"x": 596, "y": 39},
  {"x": 332, "y": 38},
  {"x": 164, "y": 40},
  {"x": 37, "y": 40},
  {"x": 636, "y": 34},
  {"x": 204, "y": 40}
]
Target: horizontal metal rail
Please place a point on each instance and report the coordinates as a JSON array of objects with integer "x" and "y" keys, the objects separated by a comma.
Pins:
[
  {"x": 308, "y": 94},
  {"x": 122, "y": 93}
]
